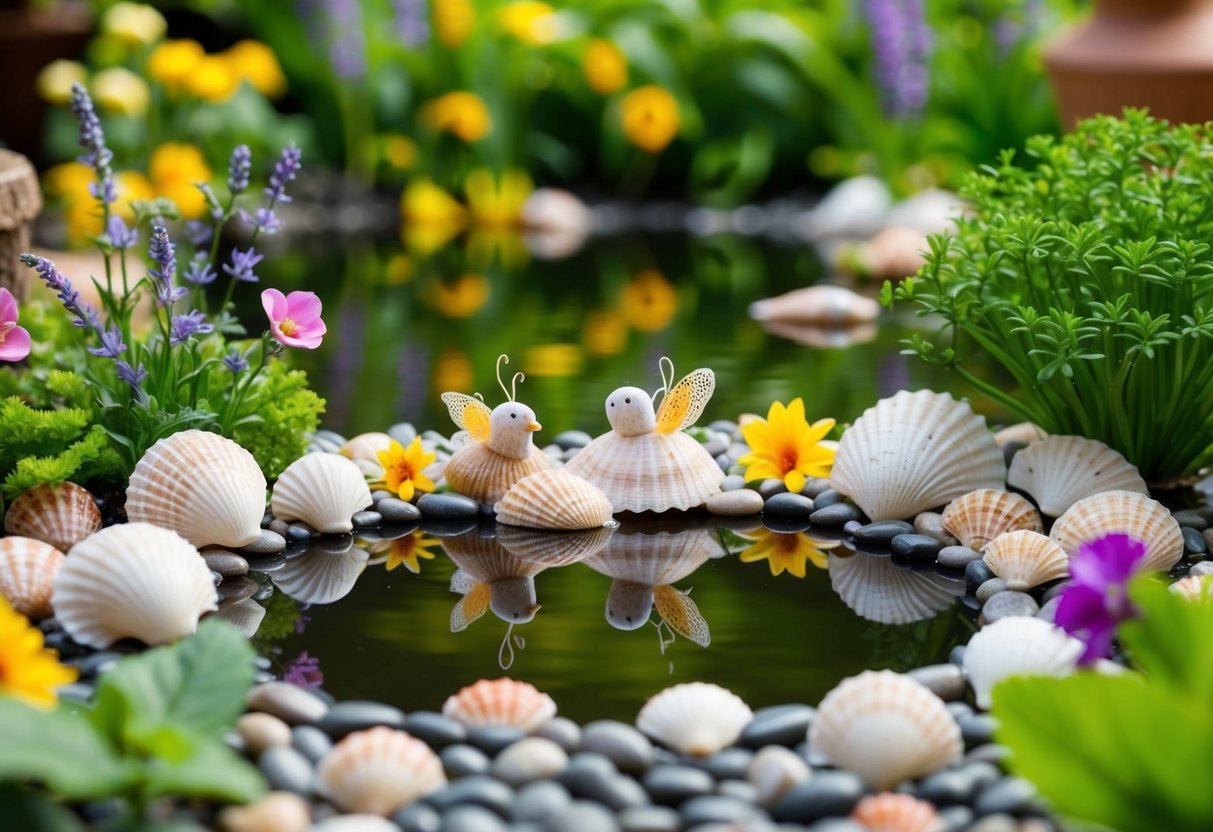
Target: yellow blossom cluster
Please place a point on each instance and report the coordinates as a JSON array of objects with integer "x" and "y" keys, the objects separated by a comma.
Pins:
[{"x": 185, "y": 68}]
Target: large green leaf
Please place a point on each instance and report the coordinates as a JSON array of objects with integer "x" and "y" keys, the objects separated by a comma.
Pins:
[
  {"x": 212, "y": 771},
  {"x": 23, "y": 809},
  {"x": 1172, "y": 640}
]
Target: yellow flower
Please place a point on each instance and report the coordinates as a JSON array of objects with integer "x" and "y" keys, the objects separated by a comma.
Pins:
[
  {"x": 493, "y": 244},
  {"x": 431, "y": 216},
  {"x": 172, "y": 62},
  {"x": 531, "y": 22},
  {"x": 648, "y": 301},
  {"x": 460, "y": 298},
  {"x": 605, "y": 67},
  {"x": 452, "y": 371},
  {"x": 213, "y": 79},
  {"x": 784, "y": 446},
  {"x": 405, "y": 550},
  {"x": 256, "y": 63},
  {"x": 650, "y": 118},
  {"x": 400, "y": 152},
  {"x": 606, "y": 333},
  {"x": 453, "y": 20},
  {"x": 119, "y": 90},
  {"x": 784, "y": 552},
  {"x": 28, "y": 671},
  {"x": 402, "y": 469},
  {"x": 459, "y": 113},
  {"x": 497, "y": 202},
  {"x": 70, "y": 182},
  {"x": 55, "y": 81},
  {"x": 553, "y": 360},
  {"x": 134, "y": 23},
  {"x": 174, "y": 169}
]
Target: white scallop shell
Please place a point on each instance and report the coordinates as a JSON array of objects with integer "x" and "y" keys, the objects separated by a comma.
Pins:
[
  {"x": 554, "y": 499},
  {"x": 649, "y": 472},
  {"x": 980, "y": 516},
  {"x": 322, "y": 490},
  {"x": 1194, "y": 587},
  {"x": 1122, "y": 511},
  {"x": 875, "y": 589},
  {"x": 822, "y": 304},
  {"x": 500, "y": 702},
  {"x": 1025, "y": 432},
  {"x": 378, "y": 771},
  {"x": 1025, "y": 559},
  {"x": 245, "y": 615},
  {"x": 321, "y": 575},
  {"x": 696, "y": 718},
  {"x": 886, "y": 728},
  {"x": 913, "y": 452},
  {"x": 1017, "y": 646},
  {"x": 133, "y": 580},
  {"x": 366, "y": 446},
  {"x": 61, "y": 514},
  {"x": 1058, "y": 471},
  {"x": 477, "y": 471},
  {"x": 888, "y": 812},
  {"x": 206, "y": 488},
  {"x": 27, "y": 574}
]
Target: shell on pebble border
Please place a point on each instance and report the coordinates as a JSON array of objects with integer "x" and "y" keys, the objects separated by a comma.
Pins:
[
  {"x": 1058, "y": 471},
  {"x": 554, "y": 499},
  {"x": 132, "y": 580},
  {"x": 886, "y": 728},
  {"x": 378, "y": 771},
  {"x": 477, "y": 471},
  {"x": 878, "y": 591},
  {"x": 27, "y": 574},
  {"x": 500, "y": 702},
  {"x": 915, "y": 451},
  {"x": 1194, "y": 587},
  {"x": 61, "y": 514},
  {"x": 650, "y": 472},
  {"x": 1025, "y": 559},
  {"x": 696, "y": 718},
  {"x": 1128, "y": 513},
  {"x": 980, "y": 516},
  {"x": 275, "y": 812},
  {"x": 201, "y": 485},
  {"x": 366, "y": 446},
  {"x": 888, "y": 812},
  {"x": 1025, "y": 432},
  {"x": 1015, "y": 646},
  {"x": 322, "y": 490}
]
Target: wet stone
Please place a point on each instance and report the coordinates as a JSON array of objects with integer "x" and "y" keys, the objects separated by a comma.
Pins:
[
  {"x": 882, "y": 532},
  {"x": 851, "y": 526},
  {"x": 976, "y": 574},
  {"x": 930, "y": 523},
  {"x": 418, "y": 818},
  {"x": 354, "y": 715},
  {"x": 945, "y": 788},
  {"x": 461, "y": 760},
  {"x": 532, "y": 758},
  {"x": 585, "y": 771},
  {"x": 716, "y": 444},
  {"x": 1010, "y": 795},
  {"x": 740, "y": 789},
  {"x": 814, "y": 487},
  {"x": 671, "y": 785},
  {"x": 1007, "y": 604},
  {"x": 227, "y": 564},
  {"x": 828, "y": 497},
  {"x": 311, "y": 742},
  {"x": 266, "y": 563},
  {"x": 825, "y": 794},
  {"x": 563, "y": 731},
  {"x": 493, "y": 739},
  {"x": 955, "y": 819},
  {"x": 989, "y": 589},
  {"x": 719, "y": 809},
  {"x": 778, "y": 725},
  {"x": 261, "y": 731},
  {"x": 299, "y": 532},
  {"x": 786, "y": 504},
  {"x": 977, "y": 729},
  {"x": 728, "y": 763},
  {"x": 290, "y": 703},
  {"x": 1048, "y": 610},
  {"x": 269, "y": 543},
  {"x": 916, "y": 547},
  {"x": 650, "y": 819},
  {"x": 947, "y": 681},
  {"x": 740, "y": 503},
  {"x": 617, "y": 792},
  {"x": 733, "y": 482},
  {"x": 768, "y": 488},
  {"x": 447, "y": 506},
  {"x": 472, "y": 819},
  {"x": 583, "y": 816},
  {"x": 394, "y": 510},
  {"x": 238, "y": 588},
  {"x": 76, "y": 692},
  {"x": 785, "y": 524},
  {"x": 1194, "y": 542},
  {"x": 474, "y": 790},
  {"x": 537, "y": 802},
  {"x": 959, "y": 710},
  {"x": 568, "y": 439},
  {"x": 990, "y": 752},
  {"x": 623, "y": 745},
  {"x": 380, "y": 494},
  {"x": 434, "y": 729},
  {"x": 366, "y": 519},
  {"x": 835, "y": 515},
  {"x": 278, "y": 526},
  {"x": 956, "y": 557},
  {"x": 95, "y": 663},
  {"x": 286, "y": 769},
  {"x": 1192, "y": 519}
]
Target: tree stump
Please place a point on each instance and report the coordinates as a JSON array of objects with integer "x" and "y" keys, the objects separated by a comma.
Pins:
[{"x": 20, "y": 202}]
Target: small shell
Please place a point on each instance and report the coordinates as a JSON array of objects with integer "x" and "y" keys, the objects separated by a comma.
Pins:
[
  {"x": 1058, "y": 471},
  {"x": 378, "y": 771},
  {"x": 500, "y": 702},
  {"x": 696, "y": 718},
  {"x": 61, "y": 515},
  {"x": 877, "y": 590},
  {"x": 554, "y": 499},
  {"x": 1015, "y": 646},
  {"x": 1024, "y": 432},
  {"x": 485, "y": 475},
  {"x": 322, "y": 490},
  {"x": 821, "y": 304},
  {"x": 366, "y": 446},
  {"x": 888, "y": 812},
  {"x": 132, "y": 580},
  {"x": 1122, "y": 511},
  {"x": 1194, "y": 587},
  {"x": 321, "y": 575},
  {"x": 649, "y": 472},
  {"x": 245, "y": 615},
  {"x": 886, "y": 728},
  {"x": 553, "y": 548},
  {"x": 206, "y": 488},
  {"x": 1025, "y": 559},
  {"x": 27, "y": 574},
  {"x": 980, "y": 516}
]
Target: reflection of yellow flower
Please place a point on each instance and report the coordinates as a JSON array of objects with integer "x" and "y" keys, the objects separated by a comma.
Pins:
[
  {"x": 606, "y": 69},
  {"x": 648, "y": 301},
  {"x": 213, "y": 79},
  {"x": 489, "y": 245},
  {"x": 431, "y": 216},
  {"x": 405, "y": 550},
  {"x": 119, "y": 90},
  {"x": 460, "y": 113},
  {"x": 399, "y": 270},
  {"x": 453, "y": 21},
  {"x": 256, "y": 63},
  {"x": 462, "y": 297},
  {"x": 784, "y": 551},
  {"x": 56, "y": 78},
  {"x": 402, "y": 469},
  {"x": 784, "y": 446},
  {"x": 606, "y": 333},
  {"x": 530, "y": 21},
  {"x": 400, "y": 152},
  {"x": 553, "y": 360},
  {"x": 174, "y": 169},
  {"x": 28, "y": 671},
  {"x": 172, "y": 62},
  {"x": 650, "y": 118},
  {"x": 494, "y": 201},
  {"x": 452, "y": 371}
]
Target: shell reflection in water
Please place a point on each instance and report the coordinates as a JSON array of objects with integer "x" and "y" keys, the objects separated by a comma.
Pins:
[
  {"x": 61, "y": 514},
  {"x": 489, "y": 577},
  {"x": 876, "y": 589},
  {"x": 324, "y": 573},
  {"x": 553, "y": 548},
  {"x": 246, "y": 615}
]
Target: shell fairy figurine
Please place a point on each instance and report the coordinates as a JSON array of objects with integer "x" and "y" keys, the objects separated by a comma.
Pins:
[{"x": 645, "y": 462}]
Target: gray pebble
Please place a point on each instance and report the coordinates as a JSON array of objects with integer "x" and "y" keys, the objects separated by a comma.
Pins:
[
  {"x": 572, "y": 439},
  {"x": 719, "y": 809},
  {"x": 1048, "y": 610},
  {"x": 418, "y": 817},
  {"x": 290, "y": 703},
  {"x": 727, "y": 764},
  {"x": 447, "y": 506},
  {"x": 947, "y": 787},
  {"x": 266, "y": 563},
  {"x": 650, "y": 819},
  {"x": 366, "y": 519},
  {"x": 461, "y": 760},
  {"x": 623, "y": 745},
  {"x": 851, "y": 526},
  {"x": 814, "y": 487},
  {"x": 403, "y": 432},
  {"x": 227, "y": 564},
  {"x": 977, "y": 729},
  {"x": 724, "y": 426},
  {"x": 216, "y": 578},
  {"x": 472, "y": 819},
  {"x": 740, "y": 789},
  {"x": 742, "y": 502},
  {"x": 1192, "y": 519},
  {"x": 311, "y": 742},
  {"x": 1010, "y": 795},
  {"x": 785, "y": 504},
  {"x": 990, "y": 752},
  {"x": 1194, "y": 543},
  {"x": 394, "y": 510},
  {"x": 1007, "y": 604},
  {"x": 827, "y": 497},
  {"x": 989, "y": 589},
  {"x": 836, "y": 515},
  {"x": 956, "y": 557},
  {"x": 529, "y": 759},
  {"x": 286, "y": 769},
  {"x": 882, "y": 532},
  {"x": 825, "y": 794},
  {"x": 586, "y": 772},
  {"x": 959, "y": 710},
  {"x": 380, "y": 494},
  {"x": 778, "y": 725},
  {"x": 474, "y": 790},
  {"x": 299, "y": 532},
  {"x": 278, "y": 526},
  {"x": 716, "y": 444},
  {"x": 947, "y": 681},
  {"x": 537, "y": 802},
  {"x": 355, "y": 715},
  {"x": 1205, "y": 567},
  {"x": 234, "y": 590},
  {"x": 492, "y": 739},
  {"x": 836, "y": 825},
  {"x": 976, "y": 574},
  {"x": 269, "y": 543},
  {"x": 770, "y": 487},
  {"x": 434, "y": 729},
  {"x": 671, "y": 785},
  {"x": 955, "y": 819},
  {"x": 733, "y": 482},
  {"x": 930, "y": 523},
  {"x": 561, "y": 730},
  {"x": 583, "y": 816},
  {"x": 916, "y": 547}
]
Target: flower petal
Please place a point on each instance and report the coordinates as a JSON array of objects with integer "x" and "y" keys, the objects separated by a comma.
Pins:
[
  {"x": 8, "y": 307},
  {"x": 303, "y": 307},
  {"x": 406, "y": 490},
  {"x": 274, "y": 304},
  {"x": 16, "y": 345}
]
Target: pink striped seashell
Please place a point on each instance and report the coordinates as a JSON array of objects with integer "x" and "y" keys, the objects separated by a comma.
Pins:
[
  {"x": 500, "y": 702},
  {"x": 888, "y": 812},
  {"x": 379, "y": 771},
  {"x": 27, "y": 574},
  {"x": 61, "y": 514}
]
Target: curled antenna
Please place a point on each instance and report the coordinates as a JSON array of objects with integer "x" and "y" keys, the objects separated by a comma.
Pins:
[
  {"x": 666, "y": 383},
  {"x": 477, "y": 395},
  {"x": 505, "y": 653},
  {"x": 514, "y": 385},
  {"x": 503, "y": 359}
]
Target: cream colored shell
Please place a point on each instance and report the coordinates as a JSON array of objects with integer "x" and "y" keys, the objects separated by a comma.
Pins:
[
  {"x": 888, "y": 812},
  {"x": 27, "y": 574},
  {"x": 980, "y": 516},
  {"x": 322, "y": 490},
  {"x": 554, "y": 499},
  {"x": 206, "y": 488},
  {"x": 245, "y": 615},
  {"x": 823, "y": 305},
  {"x": 553, "y": 548},
  {"x": 366, "y": 446},
  {"x": 1017, "y": 646},
  {"x": 322, "y": 575},
  {"x": 378, "y": 771},
  {"x": 649, "y": 472},
  {"x": 1194, "y": 587},
  {"x": 1058, "y": 471},
  {"x": 1128, "y": 513},
  {"x": 695, "y": 718},
  {"x": 1025, "y": 559},
  {"x": 481, "y": 473},
  {"x": 61, "y": 514},
  {"x": 878, "y": 591},
  {"x": 1025, "y": 432},
  {"x": 500, "y": 702}
]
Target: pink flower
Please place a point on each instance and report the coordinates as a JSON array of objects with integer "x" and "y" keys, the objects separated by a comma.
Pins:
[
  {"x": 14, "y": 341},
  {"x": 294, "y": 318}
]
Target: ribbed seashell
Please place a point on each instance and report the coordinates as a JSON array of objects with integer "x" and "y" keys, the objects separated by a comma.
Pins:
[
  {"x": 554, "y": 499},
  {"x": 913, "y": 452},
  {"x": 478, "y": 472},
  {"x": 1128, "y": 513},
  {"x": 61, "y": 514},
  {"x": 1025, "y": 559},
  {"x": 378, "y": 771},
  {"x": 132, "y": 580},
  {"x": 500, "y": 702},
  {"x": 639, "y": 562},
  {"x": 27, "y": 574},
  {"x": 1194, "y": 587},
  {"x": 886, "y": 728},
  {"x": 322, "y": 490},
  {"x": 1024, "y": 432},
  {"x": 1058, "y": 471},
  {"x": 695, "y": 718},
  {"x": 649, "y": 472},
  {"x": 553, "y": 548},
  {"x": 1017, "y": 645},
  {"x": 878, "y": 591},
  {"x": 245, "y": 615},
  {"x": 322, "y": 575},
  {"x": 888, "y": 812},
  {"x": 821, "y": 304},
  {"x": 980, "y": 516},
  {"x": 206, "y": 488},
  {"x": 366, "y": 446}
]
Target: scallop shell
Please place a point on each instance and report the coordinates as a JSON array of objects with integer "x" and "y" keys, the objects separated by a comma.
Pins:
[
  {"x": 695, "y": 718},
  {"x": 980, "y": 516},
  {"x": 877, "y": 590},
  {"x": 1194, "y": 587},
  {"x": 478, "y": 472},
  {"x": 831, "y": 305},
  {"x": 1058, "y": 471},
  {"x": 61, "y": 514},
  {"x": 27, "y": 574},
  {"x": 554, "y": 499},
  {"x": 322, "y": 490},
  {"x": 1024, "y": 432},
  {"x": 378, "y": 771},
  {"x": 888, "y": 812},
  {"x": 500, "y": 702},
  {"x": 1025, "y": 559},
  {"x": 886, "y": 728},
  {"x": 321, "y": 575},
  {"x": 1122, "y": 511},
  {"x": 553, "y": 548},
  {"x": 649, "y": 472},
  {"x": 366, "y": 446},
  {"x": 913, "y": 452},
  {"x": 245, "y": 615},
  {"x": 206, "y": 488},
  {"x": 132, "y": 580},
  {"x": 1017, "y": 646}
]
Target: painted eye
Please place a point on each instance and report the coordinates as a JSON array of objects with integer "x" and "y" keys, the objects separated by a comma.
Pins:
[
  {"x": 513, "y": 415},
  {"x": 627, "y": 401},
  {"x": 612, "y": 404}
]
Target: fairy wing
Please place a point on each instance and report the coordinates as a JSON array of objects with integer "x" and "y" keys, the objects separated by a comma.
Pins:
[
  {"x": 680, "y": 613},
  {"x": 462, "y": 582},
  {"x": 469, "y": 413},
  {"x": 685, "y": 401},
  {"x": 470, "y": 607}
]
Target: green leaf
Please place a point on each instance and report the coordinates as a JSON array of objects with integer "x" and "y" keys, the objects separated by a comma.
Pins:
[
  {"x": 31, "y": 810},
  {"x": 1172, "y": 641},
  {"x": 212, "y": 771}
]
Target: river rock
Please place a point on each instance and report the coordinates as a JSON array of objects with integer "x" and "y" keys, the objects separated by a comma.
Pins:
[
  {"x": 447, "y": 506},
  {"x": 493, "y": 739},
  {"x": 930, "y": 523},
  {"x": 1194, "y": 542},
  {"x": 261, "y": 731},
  {"x": 354, "y": 715},
  {"x": 583, "y": 816},
  {"x": 286, "y": 769},
  {"x": 1009, "y": 795},
  {"x": 916, "y": 546},
  {"x": 976, "y": 574},
  {"x": 269, "y": 543},
  {"x": 537, "y": 802},
  {"x": 947, "y": 681},
  {"x": 275, "y": 812},
  {"x": 311, "y": 742},
  {"x": 394, "y": 510},
  {"x": 777, "y": 725},
  {"x": 476, "y": 790},
  {"x": 956, "y": 557},
  {"x": 740, "y": 503},
  {"x": 1192, "y": 519},
  {"x": 472, "y": 819},
  {"x": 1007, "y": 604},
  {"x": 290, "y": 703},
  {"x": 882, "y": 532},
  {"x": 434, "y": 729},
  {"x": 836, "y": 515},
  {"x": 355, "y": 823},
  {"x": 227, "y": 564},
  {"x": 650, "y": 819},
  {"x": 719, "y": 809},
  {"x": 623, "y": 745},
  {"x": 462, "y": 760},
  {"x": 989, "y": 589},
  {"x": 672, "y": 784},
  {"x": 786, "y": 504},
  {"x": 563, "y": 731},
  {"x": 532, "y": 758},
  {"x": 825, "y": 794},
  {"x": 418, "y": 817}
]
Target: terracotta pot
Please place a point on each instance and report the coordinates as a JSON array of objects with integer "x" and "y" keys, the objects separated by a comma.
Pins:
[{"x": 1137, "y": 53}]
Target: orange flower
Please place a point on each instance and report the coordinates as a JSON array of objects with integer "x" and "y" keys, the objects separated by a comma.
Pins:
[
  {"x": 649, "y": 301},
  {"x": 784, "y": 446},
  {"x": 28, "y": 670},
  {"x": 460, "y": 113},
  {"x": 172, "y": 62},
  {"x": 605, "y": 67},
  {"x": 461, "y": 298},
  {"x": 530, "y": 21},
  {"x": 453, "y": 21},
  {"x": 650, "y": 118},
  {"x": 174, "y": 170},
  {"x": 402, "y": 469},
  {"x": 256, "y": 63}
]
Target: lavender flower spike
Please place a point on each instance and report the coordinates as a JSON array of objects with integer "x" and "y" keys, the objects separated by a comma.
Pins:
[
  {"x": 198, "y": 233},
  {"x": 120, "y": 237},
  {"x": 235, "y": 362},
  {"x": 901, "y": 40},
  {"x": 187, "y": 326},
  {"x": 264, "y": 220},
  {"x": 164, "y": 255},
  {"x": 241, "y": 267},
  {"x": 111, "y": 344},
  {"x": 133, "y": 376},
  {"x": 199, "y": 271},
  {"x": 85, "y": 315},
  {"x": 238, "y": 167},
  {"x": 284, "y": 172},
  {"x": 92, "y": 136}
]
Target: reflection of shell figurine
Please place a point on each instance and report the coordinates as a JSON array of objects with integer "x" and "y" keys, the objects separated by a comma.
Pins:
[
  {"x": 554, "y": 499},
  {"x": 500, "y": 702},
  {"x": 378, "y": 771},
  {"x": 553, "y": 548},
  {"x": 980, "y": 516},
  {"x": 1128, "y": 513},
  {"x": 889, "y": 812},
  {"x": 828, "y": 305},
  {"x": 879, "y": 591},
  {"x": 497, "y": 581},
  {"x": 645, "y": 462},
  {"x": 61, "y": 514},
  {"x": 1025, "y": 559},
  {"x": 696, "y": 718},
  {"x": 1058, "y": 471},
  {"x": 366, "y": 446},
  {"x": 321, "y": 575},
  {"x": 27, "y": 574},
  {"x": 913, "y": 452},
  {"x": 1015, "y": 646},
  {"x": 322, "y": 490}
]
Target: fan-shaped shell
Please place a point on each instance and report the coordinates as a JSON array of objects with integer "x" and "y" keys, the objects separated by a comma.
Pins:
[
  {"x": 1025, "y": 559},
  {"x": 27, "y": 574},
  {"x": 206, "y": 488},
  {"x": 553, "y": 548},
  {"x": 322, "y": 490},
  {"x": 500, "y": 702},
  {"x": 888, "y": 812},
  {"x": 1122, "y": 511},
  {"x": 980, "y": 516},
  {"x": 378, "y": 771},
  {"x": 877, "y": 590},
  {"x": 1023, "y": 432},
  {"x": 245, "y": 615},
  {"x": 478, "y": 472},
  {"x": 696, "y": 718},
  {"x": 886, "y": 728},
  {"x": 1194, "y": 587},
  {"x": 366, "y": 446},
  {"x": 913, "y": 452},
  {"x": 1016, "y": 646},
  {"x": 821, "y": 304},
  {"x": 61, "y": 514},
  {"x": 133, "y": 580},
  {"x": 320, "y": 575},
  {"x": 649, "y": 472},
  {"x": 554, "y": 499},
  {"x": 1058, "y": 471}
]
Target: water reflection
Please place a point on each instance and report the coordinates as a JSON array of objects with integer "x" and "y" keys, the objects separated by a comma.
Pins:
[
  {"x": 879, "y": 590},
  {"x": 246, "y": 615},
  {"x": 324, "y": 573}
]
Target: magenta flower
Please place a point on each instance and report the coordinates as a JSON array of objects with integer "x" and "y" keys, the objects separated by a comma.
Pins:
[
  {"x": 294, "y": 318},
  {"x": 304, "y": 671},
  {"x": 14, "y": 341},
  {"x": 1097, "y": 598}
]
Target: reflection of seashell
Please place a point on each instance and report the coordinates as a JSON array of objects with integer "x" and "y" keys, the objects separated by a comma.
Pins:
[
  {"x": 27, "y": 574},
  {"x": 1122, "y": 511},
  {"x": 366, "y": 446},
  {"x": 1017, "y": 646},
  {"x": 821, "y": 305},
  {"x": 500, "y": 702},
  {"x": 1194, "y": 587},
  {"x": 1025, "y": 432},
  {"x": 322, "y": 490},
  {"x": 554, "y": 499},
  {"x": 1058, "y": 471},
  {"x": 510, "y": 580},
  {"x": 378, "y": 771},
  {"x": 133, "y": 580},
  {"x": 246, "y": 615},
  {"x": 1025, "y": 559},
  {"x": 649, "y": 472},
  {"x": 320, "y": 576},
  {"x": 206, "y": 488},
  {"x": 888, "y": 812},
  {"x": 913, "y": 452},
  {"x": 980, "y": 516},
  {"x": 886, "y": 728},
  {"x": 696, "y": 718},
  {"x": 879, "y": 591},
  {"x": 478, "y": 472},
  {"x": 553, "y": 548},
  {"x": 821, "y": 337},
  {"x": 61, "y": 514}
]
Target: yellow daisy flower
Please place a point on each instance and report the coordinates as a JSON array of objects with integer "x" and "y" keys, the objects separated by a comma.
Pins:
[
  {"x": 650, "y": 118},
  {"x": 784, "y": 446},
  {"x": 497, "y": 201},
  {"x": 461, "y": 113},
  {"x": 402, "y": 468},
  {"x": 453, "y": 21},
  {"x": 605, "y": 67},
  {"x": 253, "y": 61},
  {"x": 530, "y": 21},
  {"x": 28, "y": 670},
  {"x": 406, "y": 550},
  {"x": 172, "y": 62},
  {"x": 784, "y": 552},
  {"x": 174, "y": 169}
]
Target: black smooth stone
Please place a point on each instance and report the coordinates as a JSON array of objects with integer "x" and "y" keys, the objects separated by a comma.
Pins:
[
  {"x": 447, "y": 506},
  {"x": 461, "y": 760},
  {"x": 719, "y": 809},
  {"x": 537, "y": 802},
  {"x": 299, "y": 532},
  {"x": 397, "y": 511},
  {"x": 977, "y": 729},
  {"x": 836, "y": 825},
  {"x": 493, "y": 739},
  {"x": 583, "y": 816},
  {"x": 727, "y": 764},
  {"x": 627, "y": 748},
  {"x": 472, "y": 819},
  {"x": 585, "y": 771},
  {"x": 286, "y": 769},
  {"x": 418, "y": 817},
  {"x": 947, "y": 681},
  {"x": 434, "y": 729},
  {"x": 671, "y": 785},
  {"x": 266, "y": 563},
  {"x": 770, "y": 487},
  {"x": 366, "y": 519},
  {"x": 1010, "y": 796},
  {"x": 785, "y": 525},
  {"x": 475, "y": 790},
  {"x": 882, "y": 532},
  {"x": 784, "y": 725},
  {"x": 311, "y": 742},
  {"x": 946, "y": 788},
  {"x": 1010, "y": 448},
  {"x": 617, "y": 792},
  {"x": 227, "y": 564},
  {"x": 1193, "y": 519},
  {"x": 354, "y": 715},
  {"x": 787, "y": 504},
  {"x": 237, "y": 589},
  {"x": 825, "y": 794},
  {"x": 1194, "y": 542},
  {"x": 837, "y": 514},
  {"x": 829, "y": 497},
  {"x": 976, "y": 574},
  {"x": 916, "y": 546},
  {"x": 955, "y": 819}
]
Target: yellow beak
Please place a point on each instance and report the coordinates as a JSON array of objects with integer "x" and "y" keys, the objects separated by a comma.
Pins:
[{"x": 534, "y": 426}]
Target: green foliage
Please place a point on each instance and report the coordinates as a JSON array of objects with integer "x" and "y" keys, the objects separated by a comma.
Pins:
[
  {"x": 281, "y": 613},
  {"x": 49, "y": 446},
  {"x": 276, "y": 416}
]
